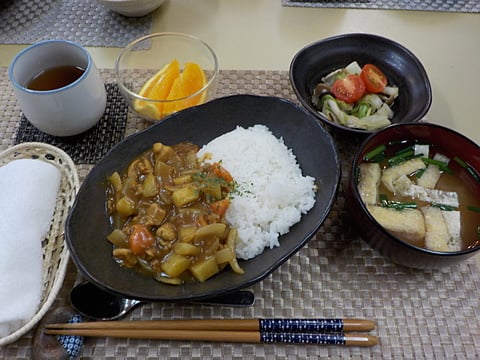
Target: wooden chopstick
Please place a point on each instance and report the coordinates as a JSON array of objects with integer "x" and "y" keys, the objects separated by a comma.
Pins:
[
  {"x": 348, "y": 339},
  {"x": 267, "y": 325},
  {"x": 292, "y": 331}
]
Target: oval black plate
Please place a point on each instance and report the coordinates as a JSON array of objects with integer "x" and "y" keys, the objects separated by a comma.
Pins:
[{"x": 87, "y": 225}]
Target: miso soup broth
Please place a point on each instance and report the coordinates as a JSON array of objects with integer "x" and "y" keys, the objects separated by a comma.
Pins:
[{"x": 399, "y": 191}]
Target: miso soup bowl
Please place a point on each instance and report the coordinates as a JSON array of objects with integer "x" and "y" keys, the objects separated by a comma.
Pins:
[{"x": 396, "y": 250}]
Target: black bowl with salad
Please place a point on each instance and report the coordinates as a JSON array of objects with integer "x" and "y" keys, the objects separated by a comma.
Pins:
[{"x": 360, "y": 83}]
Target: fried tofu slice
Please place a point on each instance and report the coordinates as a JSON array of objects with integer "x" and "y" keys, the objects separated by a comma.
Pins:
[
  {"x": 407, "y": 223},
  {"x": 405, "y": 168},
  {"x": 405, "y": 187},
  {"x": 436, "y": 235},
  {"x": 369, "y": 179},
  {"x": 422, "y": 149},
  {"x": 432, "y": 173},
  {"x": 454, "y": 227}
]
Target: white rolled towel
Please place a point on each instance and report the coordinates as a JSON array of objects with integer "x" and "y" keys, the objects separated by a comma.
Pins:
[{"x": 28, "y": 192}]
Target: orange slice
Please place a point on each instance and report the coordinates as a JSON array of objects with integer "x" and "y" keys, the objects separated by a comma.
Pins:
[
  {"x": 191, "y": 80},
  {"x": 175, "y": 93},
  {"x": 157, "y": 88},
  {"x": 171, "y": 84}
]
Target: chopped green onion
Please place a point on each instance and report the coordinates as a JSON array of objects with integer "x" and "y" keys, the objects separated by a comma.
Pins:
[
  {"x": 441, "y": 164},
  {"x": 444, "y": 207},
  {"x": 379, "y": 158},
  {"x": 383, "y": 199},
  {"x": 467, "y": 167},
  {"x": 396, "y": 204},
  {"x": 434, "y": 162},
  {"x": 401, "y": 205},
  {"x": 404, "y": 150},
  {"x": 404, "y": 156},
  {"x": 419, "y": 173},
  {"x": 473, "y": 173},
  {"x": 375, "y": 152},
  {"x": 401, "y": 159},
  {"x": 473, "y": 208},
  {"x": 460, "y": 162}
]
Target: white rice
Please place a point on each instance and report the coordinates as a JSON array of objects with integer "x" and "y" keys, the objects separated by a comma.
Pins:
[{"x": 271, "y": 193}]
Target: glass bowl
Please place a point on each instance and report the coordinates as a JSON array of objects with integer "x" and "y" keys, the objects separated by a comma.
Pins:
[{"x": 144, "y": 57}]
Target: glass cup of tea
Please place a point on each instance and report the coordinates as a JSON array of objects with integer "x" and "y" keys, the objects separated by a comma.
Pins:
[{"x": 58, "y": 87}]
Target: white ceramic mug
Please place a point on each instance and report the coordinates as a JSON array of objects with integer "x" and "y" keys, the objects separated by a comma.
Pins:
[{"x": 64, "y": 111}]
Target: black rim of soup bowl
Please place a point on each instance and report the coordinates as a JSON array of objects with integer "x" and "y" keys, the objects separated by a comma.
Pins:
[
  {"x": 269, "y": 111},
  {"x": 399, "y": 251},
  {"x": 395, "y": 60}
]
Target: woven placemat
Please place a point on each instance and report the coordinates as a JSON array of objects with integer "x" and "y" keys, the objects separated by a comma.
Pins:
[
  {"x": 464, "y": 6},
  {"x": 90, "y": 146},
  {"x": 419, "y": 314},
  {"x": 83, "y": 21}
]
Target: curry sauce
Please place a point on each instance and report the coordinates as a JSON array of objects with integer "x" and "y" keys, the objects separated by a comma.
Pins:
[{"x": 167, "y": 212}]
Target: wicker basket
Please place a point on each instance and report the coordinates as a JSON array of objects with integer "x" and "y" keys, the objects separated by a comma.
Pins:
[{"x": 55, "y": 252}]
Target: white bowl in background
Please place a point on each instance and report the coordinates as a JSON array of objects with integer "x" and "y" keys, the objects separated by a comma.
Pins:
[{"x": 133, "y": 8}]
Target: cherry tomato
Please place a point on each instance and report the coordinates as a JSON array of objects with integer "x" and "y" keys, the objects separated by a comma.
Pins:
[
  {"x": 374, "y": 79},
  {"x": 350, "y": 89},
  {"x": 140, "y": 239}
]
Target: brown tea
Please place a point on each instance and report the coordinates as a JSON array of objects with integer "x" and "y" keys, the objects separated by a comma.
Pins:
[{"x": 55, "y": 78}]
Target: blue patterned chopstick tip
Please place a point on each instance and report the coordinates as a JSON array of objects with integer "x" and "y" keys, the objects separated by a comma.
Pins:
[
  {"x": 300, "y": 338},
  {"x": 300, "y": 325},
  {"x": 72, "y": 344}
]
